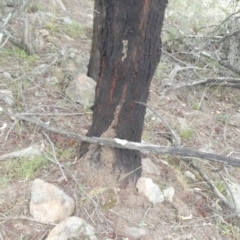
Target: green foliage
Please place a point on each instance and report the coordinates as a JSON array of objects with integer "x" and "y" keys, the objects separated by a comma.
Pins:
[
  {"x": 196, "y": 106},
  {"x": 221, "y": 188},
  {"x": 66, "y": 153},
  {"x": 186, "y": 133},
  {"x": 73, "y": 30},
  {"x": 25, "y": 168},
  {"x": 18, "y": 54},
  {"x": 111, "y": 199},
  {"x": 229, "y": 230}
]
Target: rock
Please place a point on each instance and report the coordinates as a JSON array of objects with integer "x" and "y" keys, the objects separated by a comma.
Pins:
[
  {"x": 41, "y": 69},
  {"x": 134, "y": 232},
  {"x": 149, "y": 167},
  {"x": 183, "y": 124},
  {"x": 72, "y": 62},
  {"x": 7, "y": 76},
  {"x": 150, "y": 190},
  {"x": 235, "y": 190},
  {"x": 33, "y": 150},
  {"x": 67, "y": 20},
  {"x": 7, "y": 97},
  {"x": 72, "y": 228},
  {"x": 190, "y": 175},
  {"x": 44, "y": 32},
  {"x": 48, "y": 203},
  {"x": 82, "y": 90},
  {"x": 168, "y": 193}
]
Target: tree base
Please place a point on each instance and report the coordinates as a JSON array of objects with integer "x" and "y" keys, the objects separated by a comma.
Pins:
[{"x": 124, "y": 165}]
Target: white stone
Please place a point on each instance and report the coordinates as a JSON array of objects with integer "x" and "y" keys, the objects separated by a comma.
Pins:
[
  {"x": 41, "y": 69},
  {"x": 7, "y": 97},
  {"x": 67, "y": 20},
  {"x": 82, "y": 90},
  {"x": 48, "y": 203},
  {"x": 44, "y": 32},
  {"x": 190, "y": 175},
  {"x": 33, "y": 150},
  {"x": 7, "y": 75},
  {"x": 168, "y": 193},
  {"x": 134, "y": 232},
  {"x": 150, "y": 190},
  {"x": 72, "y": 228},
  {"x": 235, "y": 190}
]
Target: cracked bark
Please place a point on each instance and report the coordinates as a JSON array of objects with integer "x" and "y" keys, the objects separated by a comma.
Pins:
[{"x": 129, "y": 54}]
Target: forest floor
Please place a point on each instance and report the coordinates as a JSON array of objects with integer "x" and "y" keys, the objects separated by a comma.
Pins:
[{"x": 205, "y": 118}]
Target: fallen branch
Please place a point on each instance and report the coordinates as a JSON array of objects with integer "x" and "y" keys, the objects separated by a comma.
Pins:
[
  {"x": 119, "y": 143},
  {"x": 224, "y": 64},
  {"x": 189, "y": 161},
  {"x": 220, "y": 81},
  {"x": 18, "y": 9}
]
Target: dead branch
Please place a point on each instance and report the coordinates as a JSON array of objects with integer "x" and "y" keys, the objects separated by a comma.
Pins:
[
  {"x": 3, "y": 32},
  {"x": 19, "y": 44},
  {"x": 197, "y": 168},
  {"x": 224, "y": 64},
  {"x": 219, "y": 81},
  {"x": 119, "y": 143}
]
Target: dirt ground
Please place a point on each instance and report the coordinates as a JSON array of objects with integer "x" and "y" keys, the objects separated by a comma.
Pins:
[{"x": 204, "y": 118}]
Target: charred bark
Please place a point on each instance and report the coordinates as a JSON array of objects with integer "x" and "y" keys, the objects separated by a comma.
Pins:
[
  {"x": 98, "y": 24},
  {"x": 129, "y": 54}
]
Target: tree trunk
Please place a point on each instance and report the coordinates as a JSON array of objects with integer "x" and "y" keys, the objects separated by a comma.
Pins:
[
  {"x": 129, "y": 54},
  {"x": 98, "y": 24}
]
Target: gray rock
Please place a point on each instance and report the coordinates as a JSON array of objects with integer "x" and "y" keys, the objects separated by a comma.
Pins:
[
  {"x": 67, "y": 20},
  {"x": 7, "y": 75},
  {"x": 82, "y": 90},
  {"x": 150, "y": 189},
  {"x": 7, "y": 97},
  {"x": 41, "y": 69},
  {"x": 235, "y": 190},
  {"x": 168, "y": 193},
  {"x": 148, "y": 167},
  {"x": 48, "y": 203},
  {"x": 183, "y": 124},
  {"x": 190, "y": 175},
  {"x": 72, "y": 228},
  {"x": 44, "y": 32},
  {"x": 134, "y": 232},
  {"x": 73, "y": 63},
  {"x": 33, "y": 150}
]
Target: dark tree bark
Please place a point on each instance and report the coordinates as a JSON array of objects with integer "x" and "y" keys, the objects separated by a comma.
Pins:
[
  {"x": 129, "y": 54},
  {"x": 98, "y": 24}
]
